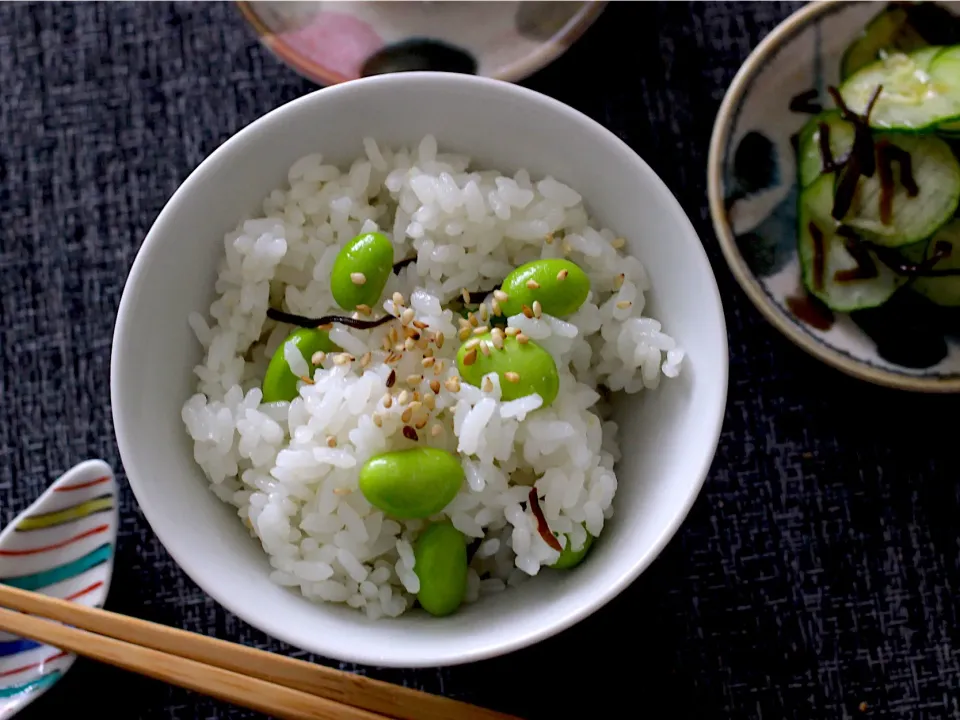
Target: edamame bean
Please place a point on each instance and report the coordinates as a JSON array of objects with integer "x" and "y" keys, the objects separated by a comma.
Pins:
[
  {"x": 414, "y": 483},
  {"x": 441, "y": 565},
  {"x": 570, "y": 558},
  {"x": 361, "y": 270},
  {"x": 524, "y": 367},
  {"x": 279, "y": 382},
  {"x": 559, "y": 285}
]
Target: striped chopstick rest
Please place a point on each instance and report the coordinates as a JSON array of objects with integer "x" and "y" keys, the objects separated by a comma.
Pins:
[{"x": 62, "y": 546}]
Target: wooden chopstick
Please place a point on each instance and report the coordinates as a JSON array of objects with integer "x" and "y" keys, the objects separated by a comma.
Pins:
[
  {"x": 228, "y": 671},
  {"x": 266, "y": 697}
]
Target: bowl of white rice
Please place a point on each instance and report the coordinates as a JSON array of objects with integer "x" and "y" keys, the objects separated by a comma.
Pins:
[{"x": 306, "y": 506}]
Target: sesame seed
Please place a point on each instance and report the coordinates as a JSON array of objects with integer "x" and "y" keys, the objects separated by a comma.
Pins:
[
  {"x": 438, "y": 339},
  {"x": 407, "y": 414},
  {"x": 416, "y": 396},
  {"x": 527, "y": 312},
  {"x": 511, "y": 377},
  {"x": 471, "y": 357},
  {"x": 386, "y": 343},
  {"x": 419, "y": 325},
  {"x": 342, "y": 491},
  {"x": 453, "y": 384},
  {"x": 511, "y": 331},
  {"x": 387, "y": 400},
  {"x": 404, "y": 397},
  {"x": 464, "y": 293},
  {"x": 618, "y": 281},
  {"x": 364, "y": 309},
  {"x": 391, "y": 378},
  {"x": 495, "y": 307},
  {"x": 562, "y": 275},
  {"x": 471, "y": 343},
  {"x": 331, "y": 441},
  {"x": 406, "y": 316},
  {"x": 487, "y": 384},
  {"x": 464, "y": 333},
  {"x": 318, "y": 357},
  {"x": 422, "y": 343},
  {"x": 397, "y": 300},
  {"x": 414, "y": 379},
  {"x": 484, "y": 314},
  {"x": 537, "y": 308},
  {"x": 533, "y": 285},
  {"x": 342, "y": 359},
  {"x": 522, "y": 339},
  {"x": 395, "y": 357},
  {"x": 421, "y": 422},
  {"x": 430, "y": 400},
  {"x": 500, "y": 296},
  {"x": 358, "y": 278},
  {"x": 378, "y": 420},
  {"x": 439, "y": 367},
  {"x": 409, "y": 433},
  {"x": 327, "y": 326},
  {"x": 548, "y": 238},
  {"x": 307, "y": 379},
  {"x": 436, "y": 430},
  {"x": 365, "y": 360},
  {"x": 409, "y": 344},
  {"x": 624, "y": 304},
  {"x": 435, "y": 386},
  {"x": 463, "y": 322},
  {"x": 481, "y": 330},
  {"x": 428, "y": 361},
  {"x": 497, "y": 338},
  {"x": 472, "y": 319},
  {"x": 485, "y": 348},
  {"x": 618, "y": 243}
]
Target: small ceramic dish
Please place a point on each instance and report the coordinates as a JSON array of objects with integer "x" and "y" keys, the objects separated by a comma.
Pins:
[
  {"x": 62, "y": 546},
  {"x": 753, "y": 202},
  {"x": 332, "y": 42}
]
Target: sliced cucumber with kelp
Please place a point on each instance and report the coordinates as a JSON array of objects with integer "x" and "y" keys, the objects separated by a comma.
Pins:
[
  {"x": 842, "y": 280},
  {"x": 908, "y": 218},
  {"x": 840, "y": 134},
  {"x": 943, "y": 289},
  {"x": 900, "y": 27},
  {"x": 915, "y": 96}
]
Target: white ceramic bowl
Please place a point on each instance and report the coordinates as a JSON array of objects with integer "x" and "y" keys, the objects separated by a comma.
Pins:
[{"x": 668, "y": 436}]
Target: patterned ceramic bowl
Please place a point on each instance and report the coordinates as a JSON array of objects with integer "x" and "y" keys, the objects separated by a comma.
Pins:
[
  {"x": 62, "y": 546},
  {"x": 753, "y": 202},
  {"x": 332, "y": 42}
]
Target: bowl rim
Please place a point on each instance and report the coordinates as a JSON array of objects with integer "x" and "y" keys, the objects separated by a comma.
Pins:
[
  {"x": 776, "y": 316},
  {"x": 627, "y": 571},
  {"x": 545, "y": 52}
]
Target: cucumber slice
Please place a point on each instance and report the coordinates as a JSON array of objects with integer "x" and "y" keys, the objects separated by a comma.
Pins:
[
  {"x": 950, "y": 128},
  {"x": 913, "y": 98},
  {"x": 829, "y": 271},
  {"x": 810, "y": 162},
  {"x": 937, "y": 175},
  {"x": 943, "y": 290},
  {"x": 891, "y": 30}
]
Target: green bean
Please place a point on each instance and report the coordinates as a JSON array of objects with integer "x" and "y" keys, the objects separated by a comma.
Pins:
[
  {"x": 523, "y": 366},
  {"x": 571, "y": 558},
  {"x": 361, "y": 270},
  {"x": 414, "y": 483},
  {"x": 279, "y": 382},
  {"x": 441, "y": 565},
  {"x": 559, "y": 285}
]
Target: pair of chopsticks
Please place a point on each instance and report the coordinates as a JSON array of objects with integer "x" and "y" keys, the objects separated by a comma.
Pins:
[{"x": 279, "y": 686}]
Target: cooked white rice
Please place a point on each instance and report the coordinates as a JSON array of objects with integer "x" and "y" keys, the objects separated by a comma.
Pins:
[{"x": 291, "y": 469}]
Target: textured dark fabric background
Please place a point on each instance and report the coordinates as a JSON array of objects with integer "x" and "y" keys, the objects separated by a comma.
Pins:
[{"x": 819, "y": 569}]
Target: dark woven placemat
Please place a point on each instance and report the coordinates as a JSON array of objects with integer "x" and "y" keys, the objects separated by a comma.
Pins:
[{"x": 817, "y": 576}]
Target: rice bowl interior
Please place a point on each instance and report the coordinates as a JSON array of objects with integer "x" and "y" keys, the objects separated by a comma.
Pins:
[{"x": 667, "y": 436}]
